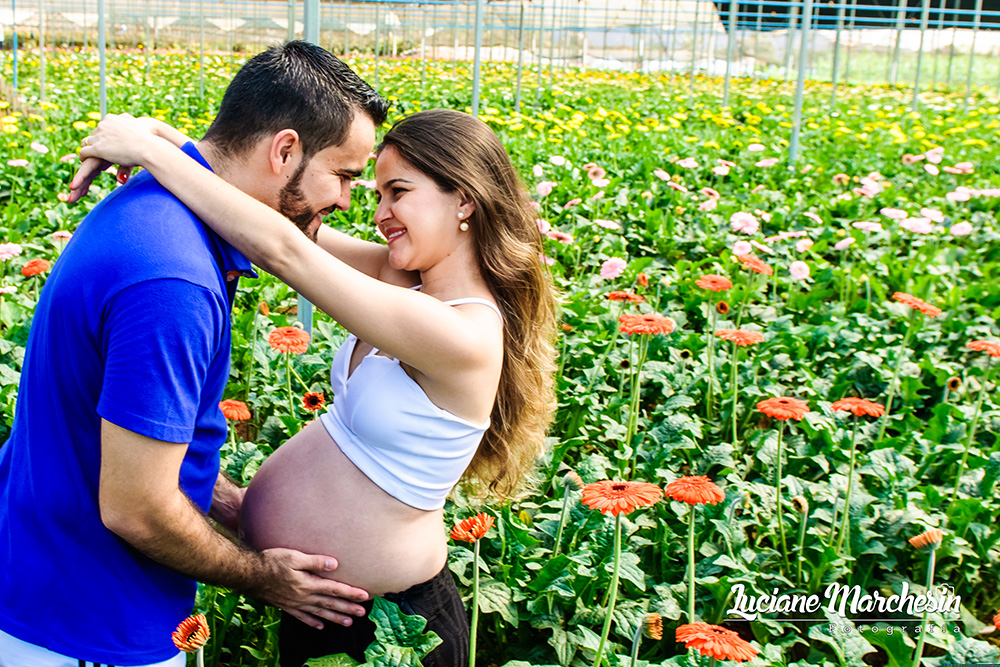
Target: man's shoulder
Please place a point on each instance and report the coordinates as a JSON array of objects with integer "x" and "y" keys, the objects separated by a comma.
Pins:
[{"x": 142, "y": 232}]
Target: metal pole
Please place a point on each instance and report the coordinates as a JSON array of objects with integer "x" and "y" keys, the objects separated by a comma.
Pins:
[
  {"x": 201, "y": 53},
  {"x": 900, "y": 20},
  {"x": 423, "y": 47},
  {"x": 641, "y": 49},
  {"x": 14, "y": 41},
  {"x": 102, "y": 50},
  {"x": 346, "y": 35},
  {"x": 291, "y": 20},
  {"x": 607, "y": 25},
  {"x": 520, "y": 59},
  {"x": 541, "y": 47},
  {"x": 850, "y": 42},
  {"x": 146, "y": 37},
  {"x": 552, "y": 44},
  {"x": 694, "y": 44},
  {"x": 377, "y": 43},
  {"x": 972, "y": 54},
  {"x": 673, "y": 38},
  {"x": 934, "y": 43},
  {"x": 924, "y": 13},
  {"x": 954, "y": 34},
  {"x": 41, "y": 52},
  {"x": 477, "y": 59},
  {"x": 791, "y": 41},
  {"x": 836, "y": 52},
  {"x": 756, "y": 38},
  {"x": 793, "y": 145},
  {"x": 310, "y": 21},
  {"x": 730, "y": 49},
  {"x": 85, "y": 43}
]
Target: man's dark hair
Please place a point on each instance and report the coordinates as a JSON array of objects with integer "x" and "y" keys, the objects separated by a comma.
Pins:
[{"x": 298, "y": 86}]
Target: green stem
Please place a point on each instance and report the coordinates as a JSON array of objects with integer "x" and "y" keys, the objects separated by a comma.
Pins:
[
  {"x": 751, "y": 281},
  {"x": 288, "y": 384},
  {"x": 845, "y": 526},
  {"x": 777, "y": 491},
  {"x": 201, "y": 657},
  {"x": 614, "y": 592},
  {"x": 475, "y": 606},
  {"x": 735, "y": 360},
  {"x": 711, "y": 366},
  {"x": 636, "y": 638},
  {"x": 895, "y": 376},
  {"x": 972, "y": 432},
  {"x": 802, "y": 545},
  {"x": 633, "y": 419},
  {"x": 562, "y": 522},
  {"x": 923, "y": 624},
  {"x": 253, "y": 348},
  {"x": 691, "y": 525}
]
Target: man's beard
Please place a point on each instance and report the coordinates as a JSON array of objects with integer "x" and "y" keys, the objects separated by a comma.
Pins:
[{"x": 292, "y": 204}]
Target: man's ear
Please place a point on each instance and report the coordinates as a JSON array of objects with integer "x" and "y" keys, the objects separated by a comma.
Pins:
[{"x": 284, "y": 152}]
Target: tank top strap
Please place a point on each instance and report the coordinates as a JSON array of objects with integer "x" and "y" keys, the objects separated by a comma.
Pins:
[{"x": 475, "y": 299}]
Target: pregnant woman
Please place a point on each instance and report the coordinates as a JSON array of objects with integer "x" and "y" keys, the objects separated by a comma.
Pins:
[{"x": 446, "y": 373}]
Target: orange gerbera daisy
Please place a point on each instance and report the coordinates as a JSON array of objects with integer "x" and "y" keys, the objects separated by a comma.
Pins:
[
  {"x": 783, "y": 407},
  {"x": 917, "y": 304},
  {"x": 714, "y": 282},
  {"x": 859, "y": 407},
  {"x": 755, "y": 263},
  {"x": 191, "y": 634},
  {"x": 614, "y": 498},
  {"x": 694, "y": 490},
  {"x": 289, "y": 339},
  {"x": 996, "y": 621},
  {"x": 313, "y": 400},
  {"x": 716, "y": 641},
  {"x": 36, "y": 266},
  {"x": 235, "y": 410},
  {"x": 625, "y": 296},
  {"x": 929, "y": 539},
  {"x": 472, "y": 528},
  {"x": 648, "y": 323},
  {"x": 741, "y": 337},
  {"x": 989, "y": 347},
  {"x": 652, "y": 626}
]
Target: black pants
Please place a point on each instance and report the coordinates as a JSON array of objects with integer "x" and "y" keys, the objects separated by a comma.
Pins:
[{"x": 437, "y": 600}]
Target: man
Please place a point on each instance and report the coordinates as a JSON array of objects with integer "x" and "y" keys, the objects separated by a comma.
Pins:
[{"x": 113, "y": 457}]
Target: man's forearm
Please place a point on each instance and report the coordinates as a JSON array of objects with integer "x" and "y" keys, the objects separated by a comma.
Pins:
[{"x": 179, "y": 537}]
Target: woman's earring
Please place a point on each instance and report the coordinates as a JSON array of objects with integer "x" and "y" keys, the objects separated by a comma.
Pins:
[{"x": 464, "y": 226}]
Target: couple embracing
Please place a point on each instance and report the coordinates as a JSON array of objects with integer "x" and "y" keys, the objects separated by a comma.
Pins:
[{"x": 110, "y": 482}]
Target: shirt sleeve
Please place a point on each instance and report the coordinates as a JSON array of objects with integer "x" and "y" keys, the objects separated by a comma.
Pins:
[{"x": 159, "y": 340}]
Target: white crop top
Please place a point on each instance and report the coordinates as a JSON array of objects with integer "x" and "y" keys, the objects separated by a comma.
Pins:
[{"x": 387, "y": 426}]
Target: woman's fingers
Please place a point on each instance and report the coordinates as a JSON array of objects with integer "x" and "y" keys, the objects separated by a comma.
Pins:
[{"x": 85, "y": 175}]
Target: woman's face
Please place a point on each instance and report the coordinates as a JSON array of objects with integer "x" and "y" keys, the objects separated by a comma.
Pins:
[{"x": 419, "y": 221}]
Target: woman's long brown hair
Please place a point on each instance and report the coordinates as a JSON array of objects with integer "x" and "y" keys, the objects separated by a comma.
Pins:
[{"x": 462, "y": 154}]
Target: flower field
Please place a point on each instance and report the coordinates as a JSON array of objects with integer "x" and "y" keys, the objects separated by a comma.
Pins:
[{"x": 773, "y": 378}]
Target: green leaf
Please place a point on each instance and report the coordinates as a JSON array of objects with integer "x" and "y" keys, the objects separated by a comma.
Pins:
[
  {"x": 898, "y": 645},
  {"x": 399, "y": 638},
  {"x": 339, "y": 660},
  {"x": 495, "y": 596},
  {"x": 849, "y": 645}
]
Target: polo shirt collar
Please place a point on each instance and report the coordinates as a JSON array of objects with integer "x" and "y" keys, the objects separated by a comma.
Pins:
[{"x": 234, "y": 263}]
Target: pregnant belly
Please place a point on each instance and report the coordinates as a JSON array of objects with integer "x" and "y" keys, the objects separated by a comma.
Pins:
[{"x": 309, "y": 496}]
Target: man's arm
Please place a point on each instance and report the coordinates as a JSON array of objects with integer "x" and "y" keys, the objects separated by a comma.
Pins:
[{"x": 141, "y": 502}]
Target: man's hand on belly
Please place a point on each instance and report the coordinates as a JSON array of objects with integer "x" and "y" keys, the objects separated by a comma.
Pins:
[{"x": 141, "y": 502}]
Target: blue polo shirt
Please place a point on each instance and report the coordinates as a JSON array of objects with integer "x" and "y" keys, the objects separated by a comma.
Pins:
[{"x": 133, "y": 327}]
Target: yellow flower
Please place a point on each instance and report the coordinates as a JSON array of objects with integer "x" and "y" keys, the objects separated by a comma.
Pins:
[
  {"x": 94, "y": 115},
  {"x": 80, "y": 125}
]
